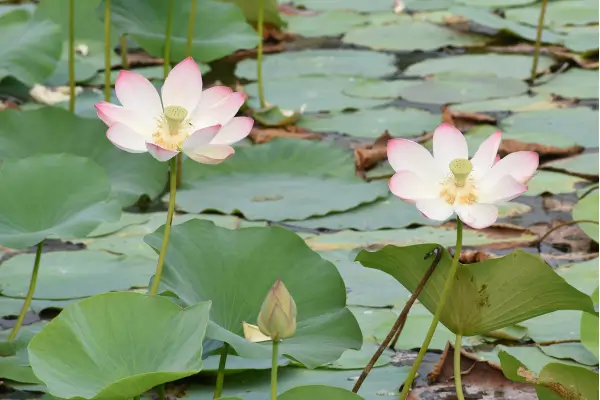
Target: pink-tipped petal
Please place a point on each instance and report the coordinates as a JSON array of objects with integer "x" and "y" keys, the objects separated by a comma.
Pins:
[
  {"x": 218, "y": 113},
  {"x": 183, "y": 86},
  {"x": 485, "y": 156},
  {"x": 234, "y": 131},
  {"x": 496, "y": 160},
  {"x": 210, "y": 154},
  {"x": 477, "y": 215},
  {"x": 448, "y": 145},
  {"x": 201, "y": 137},
  {"x": 125, "y": 138},
  {"x": 520, "y": 165},
  {"x": 507, "y": 188},
  {"x": 410, "y": 187},
  {"x": 436, "y": 209},
  {"x": 406, "y": 155},
  {"x": 137, "y": 93},
  {"x": 161, "y": 154},
  {"x": 213, "y": 96},
  {"x": 112, "y": 114}
]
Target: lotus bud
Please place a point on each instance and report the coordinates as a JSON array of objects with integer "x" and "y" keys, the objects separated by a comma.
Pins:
[{"x": 277, "y": 316}]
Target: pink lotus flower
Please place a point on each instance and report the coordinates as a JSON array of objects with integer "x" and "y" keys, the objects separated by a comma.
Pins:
[
  {"x": 449, "y": 182},
  {"x": 202, "y": 124}
]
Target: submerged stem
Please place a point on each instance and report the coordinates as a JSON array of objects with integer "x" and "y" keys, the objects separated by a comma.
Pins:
[
  {"x": 221, "y": 371},
  {"x": 438, "y": 312},
  {"x": 30, "y": 292},
  {"x": 457, "y": 372},
  {"x": 167, "y": 232},
  {"x": 71, "y": 50},
  {"x": 259, "y": 53},
  {"x": 538, "y": 39},
  {"x": 274, "y": 364},
  {"x": 561, "y": 225},
  {"x": 107, "y": 51},
  {"x": 124, "y": 60},
  {"x": 169, "y": 29}
]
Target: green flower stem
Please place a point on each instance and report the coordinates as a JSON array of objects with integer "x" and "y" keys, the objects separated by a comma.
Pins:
[
  {"x": 136, "y": 398},
  {"x": 124, "y": 60},
  {"x": 71, "y": 50},
  {"x": 190, "y": 32},
  {"x": 169, "y": 29},
  {"x": 457, "y": 372},
  {"x": 30, "y": 292},
  {"x": 107, "y": 51},
  {"x": 538, "y": 39},
  {"x": 438, "y": 312},
  {"x": 160, "y": 391},
  {"x": 221, "y": 371},
  {"x": 167, "y": 233},
  {"x": 274, "y": 364},
  {"x": 259, "y": 55}
]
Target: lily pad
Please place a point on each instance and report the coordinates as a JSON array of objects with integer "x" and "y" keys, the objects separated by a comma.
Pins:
[
  {"x": 411, "y": 36},
  {"x": 373, "y": 89},
  {"x": 317, "y": 93},
  {"x": 250, "y": 9},
  {"x": 31, "y": 49},
  {"x": 453, "y": 87},
  {"x": 579, "y": 124},
  {"x": 495, "y": 3},
  {"x": 74, "y": 274},
  {"x": 583, "y": 276},
  {"x": 219, "y": 30},
  {"x": 558, "y": 13},
  {"x": 43, "y": 207},
  {"x": 502, "y": 65},
  {"x": 372, "y": 123},
  {"x": 517, "y": 104},
  {"x": 270, "y": 181},
  {"x": 142, "y": 342},
  {"x": 363, "y": 63},
  {"x": 325, "y": 327},
  {"x": 328, "y": 23},
  {"x": 51, "y": 130},
  {"x": 545, "y": 329},
  {"x": 486, "y": 296},
  {"x": 575, "y": 83},
  {"x": 589, "y": 330},
  {"x": 571, "y": 351},
  {"x": 585, "y": 165},
  {"x": 354, "y": 5},
  {"x": 587, "y": 208},
  {"x": 582, "y": 39},
  {"x": 319, "y": 392}
]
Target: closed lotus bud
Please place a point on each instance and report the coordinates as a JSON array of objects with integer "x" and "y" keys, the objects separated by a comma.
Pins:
[{"x": 277, "y": 317}]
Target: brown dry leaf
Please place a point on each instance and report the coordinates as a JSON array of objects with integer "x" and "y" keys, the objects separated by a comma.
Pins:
[
  {"x": 511, "y": 145},
  {"x": 8, "y": 105},
  {"x": 568, "y": 237},
  {"x": 501, "y": 230},
  {"x": 289, "y": 9},
  {"x": 141, "y": 58},
  {"x": 463, "y": 121},
  {"x": 559, "y": 52},
  {"x": 475, "y": 256},
  {"x": 264, "y": 135},
  {"x": 251, "y": 53},
  {"x": 368, "y": 155}
]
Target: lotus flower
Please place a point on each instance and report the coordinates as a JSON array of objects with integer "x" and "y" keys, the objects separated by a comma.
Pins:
[
  {"x": 277, "y": 316},
  {"x": 202, "y": 124},
  {"x": 449, "y": 182}
]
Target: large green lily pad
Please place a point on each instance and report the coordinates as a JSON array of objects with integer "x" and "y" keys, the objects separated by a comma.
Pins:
[
  {"x": 250, "y": 9},
  {"x": 580, "y": 124},
  {"x": 144, "y": 341},
  {"x": 582, "y": 39},
  {"x": 457, "y": 87},
  {"x": 319, "y": 392},
  {"x": 575, "y": 83},
  {"x": 587, "y": 208},
  {"x": 486, "y": 296},
  {"x": 585, "y": 165},
  {"x": 325, "y": 327},
  {"x": 589, "y": 330},
  {"x": 376, "y": 89},
  {"x": 51, "y": 130},
  {"x": 354, "y": 5},
  {"x": 317, "y": 93},
  {"x": 220, "y": 28},
  {"x": 410, "y": 36},
  {"x": 364, "y": 63},
  {"x": 74, "y": 274},
  {"x": 332, "y": 23},
  {"x": 583, "y": 276},
  {"x": 517, "y": 104},
  {"x": 558, "y": 13},
  {"x": 30, "y": 48},
  {"x": 372, "y": 123},
  {"x": 282, "y": 180},
  {"x": 58, "y": 195},
  {"x": 502, "y": 65}
]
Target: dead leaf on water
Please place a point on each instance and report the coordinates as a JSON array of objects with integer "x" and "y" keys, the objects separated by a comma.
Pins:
[
  {"x": 264, "y": 135},
  {"x": 464, "y": 121}
]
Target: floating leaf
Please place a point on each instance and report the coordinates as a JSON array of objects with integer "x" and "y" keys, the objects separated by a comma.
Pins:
[
  {"x": 589, "y": 329},
  {"x": 495, "y": 3},
  {"x": 486, "y": 296},
  {"x": 354, "y": 5},
  {"x": 373, "y": 89},
  {"x": 585, "y": 165},
  {"x": 51, "y": 131},
  {"x": 318, "y": 392},
  {"x": 571, "y": 12},
  {"x": 587, "y": 208},
  {"x": 517, "y": 104},
  {"x": 270, "y": 182},
  {"x": 220, "y": 28},
  {"x": 410, "y": 36},
  {"x": 64, "y": 196},
  {"x": 328, "y": 23},
  {"x": 144, "y": 341},
  {"x": 571, "y": 351},
  {"x": 363, "y": 63},
  {"x": 325, "y": 327},
  {"x": 575, "y": 83},
  {"x": 250, "y": 10}
]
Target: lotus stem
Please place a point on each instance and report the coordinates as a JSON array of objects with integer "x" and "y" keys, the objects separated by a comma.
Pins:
[
  {"x": 274, "y": 364},
  {"x": 160, "y": 391},
  {"x": 457, "y": 371},
  {"x": 71, "y": 51},
  {"x": 538, "y": 40},
  {"x": 167, "y": 232},
  {"x": 438, "y": 312},
  {"x": 259, "y": 53},
  {"x": 107, "y": 51},
  {"x": 190, "y": 32},
  {"x": 30, "y": 292},
  {"x": 168, "y": 31},
  {"x": 221, "y": 371},
  {"x": 124, "y": 60}
]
